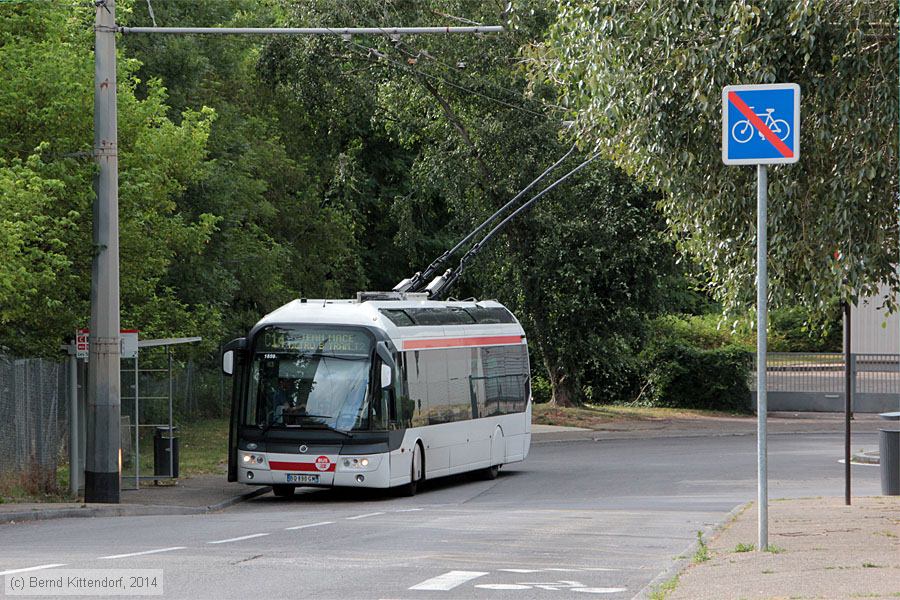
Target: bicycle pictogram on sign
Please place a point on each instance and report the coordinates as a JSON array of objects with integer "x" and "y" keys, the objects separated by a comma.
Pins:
[{"x": 743, "y": 130}]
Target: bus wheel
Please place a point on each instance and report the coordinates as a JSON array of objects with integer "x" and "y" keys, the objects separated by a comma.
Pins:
[
  {"x": 491, "y": 472},
  {"x": 416, "y": 473},
  {"x": 283, "y": 491}
]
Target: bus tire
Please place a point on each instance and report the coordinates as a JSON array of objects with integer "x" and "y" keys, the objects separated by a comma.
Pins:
[
  {"x": 416, "y": 473},
  {"x": 491, "y": 472},
  {"x": 283, "y": 491}
]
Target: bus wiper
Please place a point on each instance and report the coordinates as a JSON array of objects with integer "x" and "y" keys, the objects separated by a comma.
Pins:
[
  {"x": 266, "y": 427},
  {"x": 326, "y": 425}
]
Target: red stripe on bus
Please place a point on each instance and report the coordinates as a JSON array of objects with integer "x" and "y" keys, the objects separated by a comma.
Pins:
[
  {"x": 491, "y": 340},
  {"x": 277, "y": 465}
]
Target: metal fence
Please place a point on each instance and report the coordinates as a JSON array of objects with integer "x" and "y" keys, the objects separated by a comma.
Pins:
[
  {"x": 816, "y": 381},
  {"x": 32, "y": 414},
  {"x": 34, "y": 427}
]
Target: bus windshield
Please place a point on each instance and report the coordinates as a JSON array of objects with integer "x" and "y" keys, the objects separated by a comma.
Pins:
[{"x": 310, "y": 378}]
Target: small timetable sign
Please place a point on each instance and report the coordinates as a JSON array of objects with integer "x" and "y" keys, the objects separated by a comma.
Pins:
[
  {"x": 761, "y": 124},
  {"x": 128, "y": 340}
]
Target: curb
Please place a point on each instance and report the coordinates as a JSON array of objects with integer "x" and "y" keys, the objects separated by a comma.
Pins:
[
  {"x": 599, "y": 435},
  {"x": 681, "y": 564},
  {"x": 124, "y": 510},
  {"x": 866, "y": 458}
]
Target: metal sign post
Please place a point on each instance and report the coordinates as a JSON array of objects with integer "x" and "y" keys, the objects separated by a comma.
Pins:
[
  {"x": 761, "y": 126},
  {"x": 762, "y": 325}
]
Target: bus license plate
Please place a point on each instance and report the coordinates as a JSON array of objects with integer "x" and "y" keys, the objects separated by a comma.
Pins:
[{"x": 297, "y": 478}]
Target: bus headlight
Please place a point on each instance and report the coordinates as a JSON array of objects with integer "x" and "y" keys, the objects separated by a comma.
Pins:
[
  {"x": 253, "y": 460},
  {"x": 359, "y": 463}
]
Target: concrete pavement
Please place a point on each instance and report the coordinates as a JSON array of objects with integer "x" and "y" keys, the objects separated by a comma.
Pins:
[{"x": 822, "y": 549}]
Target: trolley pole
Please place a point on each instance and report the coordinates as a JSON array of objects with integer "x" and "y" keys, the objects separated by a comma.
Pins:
[
  {"x": 761, "y": 354},
  {"x": 102, "y": 462}
]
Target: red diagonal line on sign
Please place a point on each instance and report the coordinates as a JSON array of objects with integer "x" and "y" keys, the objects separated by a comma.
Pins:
[{"x": 758, "y": 123}]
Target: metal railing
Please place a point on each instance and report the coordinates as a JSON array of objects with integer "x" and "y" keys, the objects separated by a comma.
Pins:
[{"x": 816, "y": 381}]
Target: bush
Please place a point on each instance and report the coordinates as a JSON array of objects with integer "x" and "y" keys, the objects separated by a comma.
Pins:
[
  {"x": 700, "y": 331},
  {"x": 540, "y": 389},
  {"x": 678, "y": 375},
  {"x": 790, "y": 331}
]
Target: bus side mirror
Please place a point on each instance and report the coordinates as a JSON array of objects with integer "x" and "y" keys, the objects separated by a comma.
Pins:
[
  {"x": 228, "y": 352},
  {"x": 386, "y": 374},
  {"x": 387, "y": 364}
]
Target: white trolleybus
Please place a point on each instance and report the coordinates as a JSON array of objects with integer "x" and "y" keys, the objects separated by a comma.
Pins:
[{"x": 383, "y": 391}]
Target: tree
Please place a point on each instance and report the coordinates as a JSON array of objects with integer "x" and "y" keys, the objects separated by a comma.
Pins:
[
  {"x": 276, "y": 238},
  {"x": 590, "y": 265},
  {"x": 46, "y": 193},
  {"x": 644, "y": 81},
  {"x": 581, "y": 271}
]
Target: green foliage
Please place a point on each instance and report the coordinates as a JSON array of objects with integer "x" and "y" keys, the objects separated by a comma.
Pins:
[
  {"x": 33, "y": 240},
  {"x": 275, "y": 238},
  {"x": 644, "y": 81},
  {"x": 701, "y": 331},
  {"x": 46, "y": 136},
  {"x": 682, "y": 376},
  {"x": 541, "y": 390},
  {"x": 742, "y": 547},
  {"x": 701, "y": 555},
  {"x": 665, "y": 589},
  {"x": 467, "y": 136},
  {"x": 790, "y": 330}
]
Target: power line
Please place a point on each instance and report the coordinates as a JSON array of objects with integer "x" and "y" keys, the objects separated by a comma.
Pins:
[
  {"x": 495, "y": 85},
  {"x": 369, "y": 51}
]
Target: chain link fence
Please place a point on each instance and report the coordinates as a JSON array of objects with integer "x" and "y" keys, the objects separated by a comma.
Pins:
[
  {"x": 34, "y": 428},
  {"x": 32, "y": 416}
]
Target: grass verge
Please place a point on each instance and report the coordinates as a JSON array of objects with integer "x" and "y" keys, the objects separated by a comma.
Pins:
[
  {"x": 203, "y": 451},
  {"x": 596, "y": 416},
  {"x": 664, "y": 589}
]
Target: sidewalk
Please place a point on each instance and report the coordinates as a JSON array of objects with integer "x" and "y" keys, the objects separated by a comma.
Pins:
[
  {"x": 779, "y": 423},
  {"x": 191, "y": 495},
  {"x": 820, "y": 549}
]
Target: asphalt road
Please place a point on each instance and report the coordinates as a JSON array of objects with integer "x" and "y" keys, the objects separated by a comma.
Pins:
[{"x": 599, "y": 518}]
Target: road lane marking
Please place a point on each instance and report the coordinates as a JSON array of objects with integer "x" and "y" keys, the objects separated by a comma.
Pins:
[
  {"x": 364, "y": 516},
  {"x": 448, "y": 581},
  {"x": 309, "y": 525},
  {"x": 144, "y": 552},
  {"x": 237, "y": 539},
  {"x": 503, "y": 586},
  {"x": 556, "y": 569},
  {"x": 37, "y": 568}
]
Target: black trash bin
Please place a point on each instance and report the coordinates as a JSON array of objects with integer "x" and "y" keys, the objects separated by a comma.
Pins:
[
  {"x": 889, "y": 451},
  {"x": 161, "y": 446},
  {"x": 889, "y": 456}
]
